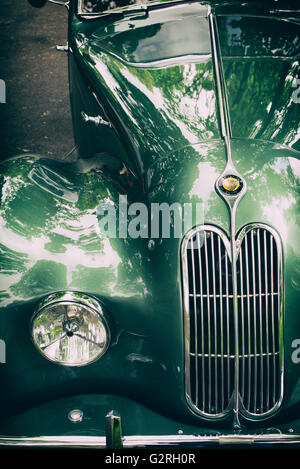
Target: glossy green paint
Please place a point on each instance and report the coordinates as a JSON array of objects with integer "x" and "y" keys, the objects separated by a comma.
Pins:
[
  {"x": 51, "y": 419},
  {"x": 261, "y": 66},
  {"x": 272, "y": 174},
  {"x": 154, "y": 109},
  {"x": 164, "y": 146}
]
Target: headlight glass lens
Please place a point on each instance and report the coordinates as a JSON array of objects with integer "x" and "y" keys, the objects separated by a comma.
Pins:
[{"x": 70, "y": 333}]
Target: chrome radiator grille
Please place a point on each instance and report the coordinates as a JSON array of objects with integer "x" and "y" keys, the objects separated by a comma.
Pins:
[
  {"x": 210, "y": 326},
  {"x": 259, "y": 305}
]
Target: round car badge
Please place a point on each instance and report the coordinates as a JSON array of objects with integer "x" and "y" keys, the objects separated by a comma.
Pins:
[{"x": 230, "y": 184}]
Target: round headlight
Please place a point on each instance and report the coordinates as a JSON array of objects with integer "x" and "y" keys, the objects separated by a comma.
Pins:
[{"x": 70, "y": 329}]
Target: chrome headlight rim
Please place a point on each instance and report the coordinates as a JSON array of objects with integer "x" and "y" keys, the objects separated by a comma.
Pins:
[{"x": 71, "y": 298}]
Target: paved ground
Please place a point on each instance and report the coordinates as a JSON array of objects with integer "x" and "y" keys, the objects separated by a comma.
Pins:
[{"x": 36, "y": 117}]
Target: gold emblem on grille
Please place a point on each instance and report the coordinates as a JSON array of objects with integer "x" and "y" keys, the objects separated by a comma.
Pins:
[{"x": 231, "y": 184}]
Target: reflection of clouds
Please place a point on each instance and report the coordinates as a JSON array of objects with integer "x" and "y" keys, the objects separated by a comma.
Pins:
[
  {"x": 49, "y": 244},
  {"x": 202, "y": 187},
  {"x": 79, "y": 234},
  {"x": 194, "y": 39},
  {"x": 202, "y": 107},
  {"x": 280, "y": 165},
  {"x": 7, "y": 280},
  {"x": 171, "y": 13},
  {"x": 36, "y": 248},
  {"x": 295, "y": 165},
  {"x": 278, "y": 208}
]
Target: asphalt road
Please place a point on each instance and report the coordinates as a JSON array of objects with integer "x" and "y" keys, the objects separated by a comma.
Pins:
[{"x": 36, "y": 116}]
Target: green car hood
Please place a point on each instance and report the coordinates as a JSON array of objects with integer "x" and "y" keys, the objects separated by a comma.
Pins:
[{"x": 159, "y": 96}]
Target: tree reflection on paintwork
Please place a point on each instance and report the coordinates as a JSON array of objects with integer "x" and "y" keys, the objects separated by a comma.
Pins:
[
  {"x": 261, "y": 65},
  {"x": 161, "y": 107}
]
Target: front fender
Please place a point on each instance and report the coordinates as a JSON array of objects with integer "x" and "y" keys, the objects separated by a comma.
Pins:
[{"x": 50, "y": 241}]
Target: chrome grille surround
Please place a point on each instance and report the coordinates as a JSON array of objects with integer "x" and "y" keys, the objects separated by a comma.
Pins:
[
  {"x": 262, "y": 294},
  {"x": 210, "y": 360},
  {"x": 202, "y": 358}
]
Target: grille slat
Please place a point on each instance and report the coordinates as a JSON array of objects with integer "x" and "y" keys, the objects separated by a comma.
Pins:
[
  {"x": 221, "y": 323},
  {"x": 272, "y": 309},
  {"x": 254, "y": 319},
  {"x": 208, "y": 325},
  {"x": 228, "y": 305},
  {"x": 202, "y": 319},
  {"x": 267, "y": 319},
  {"x": 195, "y": 327},
  {"x": 243, "y": 326},
  {"x": 249, "y": 321},
  {"x": 211, "y": 336},
  {"x": 216, "y": 384},
  {"x": 260, "y": 325}
]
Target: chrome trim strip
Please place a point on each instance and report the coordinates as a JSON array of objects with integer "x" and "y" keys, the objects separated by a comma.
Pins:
[
  {"x": 261, "y": 57},
  {"x": 164, "y": 63},
  {"x": 220, "y": 82},
  {"x": 231, "y": 200},
  {"x": 138, "y": 8},
  {"x": 151, "y": 440},
  {"x": 62, "y": 4}
]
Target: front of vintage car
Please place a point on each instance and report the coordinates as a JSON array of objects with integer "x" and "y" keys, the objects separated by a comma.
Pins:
[{"x": 154, "y": 336}]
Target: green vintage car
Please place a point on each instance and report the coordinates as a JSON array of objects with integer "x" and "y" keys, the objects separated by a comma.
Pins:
[{"x": 117, "y": 335}]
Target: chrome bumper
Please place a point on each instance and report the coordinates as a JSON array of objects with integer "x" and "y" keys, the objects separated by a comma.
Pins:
[
  {"x": 175, "y": 441},
  {"x": 114, "y": 439}
]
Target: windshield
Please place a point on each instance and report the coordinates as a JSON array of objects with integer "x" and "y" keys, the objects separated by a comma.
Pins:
[{"x": 101, "y": 6}]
